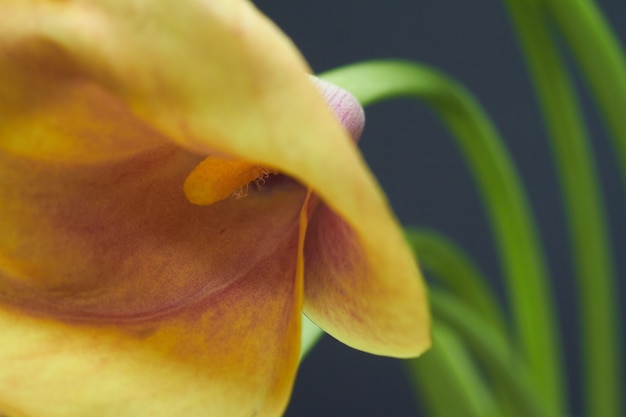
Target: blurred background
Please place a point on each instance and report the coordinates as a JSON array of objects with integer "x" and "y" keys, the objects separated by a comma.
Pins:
[{"x": 423, "y": 174}]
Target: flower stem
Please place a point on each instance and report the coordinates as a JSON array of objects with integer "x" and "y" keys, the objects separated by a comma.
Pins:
[
  {"x": 311, "y": 334},
  {"x": 602, "y": 60},
  {"x": 447, "y": 379},
  {"x": 585, "y": 211},
  {"x": 509, "y": 374},
  {"x": 472, "y": 311},
  {"x": 452, "y": 267},
  {"x": 513, "y": 225}
]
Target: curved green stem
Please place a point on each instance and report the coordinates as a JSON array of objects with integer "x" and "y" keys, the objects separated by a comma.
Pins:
[
  {"x": 601, "y": 57},
  {"x": 525, "y": 272},
  {"x": 451, "y": 266},
  {"x": 448, "y": 380},
  {"x": 585, "y": 211},
  {"x": 501, "y": 361}
]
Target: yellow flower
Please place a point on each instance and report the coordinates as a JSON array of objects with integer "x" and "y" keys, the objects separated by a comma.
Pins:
[{"x": 118, "y": 296}]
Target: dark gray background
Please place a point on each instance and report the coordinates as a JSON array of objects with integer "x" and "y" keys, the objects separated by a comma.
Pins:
[{"x": 422, "y": 172}]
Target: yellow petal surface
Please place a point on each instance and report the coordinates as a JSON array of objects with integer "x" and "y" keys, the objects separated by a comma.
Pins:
[
  {"x": 110, "y": 278},
  {"x": 345, "y": 297},
  {"x": 351, "y": 291},
  {"x": 269, "y": 115},
  {"x": 117, "y": 296},
  {"x": 231, "y": 354}
]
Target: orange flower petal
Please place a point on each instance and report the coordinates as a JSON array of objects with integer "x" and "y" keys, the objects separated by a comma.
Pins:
[
  {"x": 270, "y": 116},
  {"x": 105, "y": 192},
  {"x": 233, "y": 353},
  {"x": 119, "y": 297},
  {"x": 351, "y": 291},
  {"x": 355, "y": 294}
]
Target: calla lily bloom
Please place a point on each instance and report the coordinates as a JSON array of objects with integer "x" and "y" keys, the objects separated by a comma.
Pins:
[{"x": 132, "y": 282}]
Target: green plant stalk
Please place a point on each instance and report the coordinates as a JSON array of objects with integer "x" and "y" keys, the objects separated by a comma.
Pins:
[
  {"x": 585, "y": 211},
  {"x": 602, "y": 60},
  {"x": 524, "y": 267},
  {"x": 311, "y": 334},
  {"x": 448, "y": 381},
  {"x": 494, "y": 351},
  {"x": 452, "y": 267}
]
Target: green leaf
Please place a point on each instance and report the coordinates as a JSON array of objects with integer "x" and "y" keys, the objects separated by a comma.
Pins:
[
  {"x": 590, "y": 241},
  {"x": 507, "y": 372},
  {"x": 447, "y": 380},
  {"x": 452, "y": 267}
]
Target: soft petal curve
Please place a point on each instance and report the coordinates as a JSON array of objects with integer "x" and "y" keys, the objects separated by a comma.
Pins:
[
  {"x": 271, "y": 114},
  {"x": 358, "y": 297},
  {"x": 348, "y": 291},
  {"x": 117, "y": 296},
  {"x": 234, "y": 354},
  {"x": 103, "y": 187}
]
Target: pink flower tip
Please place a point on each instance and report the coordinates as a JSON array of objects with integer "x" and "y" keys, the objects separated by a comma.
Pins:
[{"x": 346, "y": 107}]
